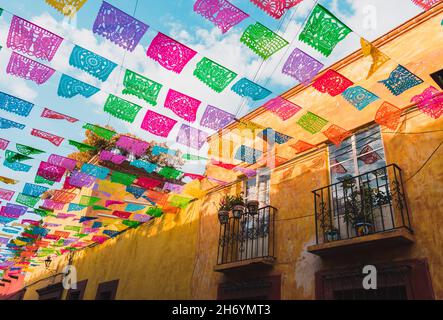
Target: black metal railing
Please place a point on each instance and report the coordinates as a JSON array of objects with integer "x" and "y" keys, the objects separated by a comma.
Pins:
[
  {"x": 369, "y": 203},
  {"x": 250, "y": 237}
]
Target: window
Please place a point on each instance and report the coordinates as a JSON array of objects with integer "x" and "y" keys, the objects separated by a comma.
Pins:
[
  {"x": 361, "y": 153},
  {"x": 438, "y": 78},
  {"x": 77, "y": 294},
  {"x": 51, "y": 292},
  {"x": 107, "y": 290},
  {"x": 257, "y": 187}
]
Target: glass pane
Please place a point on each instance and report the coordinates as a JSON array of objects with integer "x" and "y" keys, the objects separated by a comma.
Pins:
[
  {"x": 342, "y": 152},
  {"x": 341, "y": 171}
]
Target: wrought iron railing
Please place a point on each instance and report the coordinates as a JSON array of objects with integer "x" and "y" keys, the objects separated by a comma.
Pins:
[
  {"x": 372, "y": 202},
  {"x": 250, "y": 237}
]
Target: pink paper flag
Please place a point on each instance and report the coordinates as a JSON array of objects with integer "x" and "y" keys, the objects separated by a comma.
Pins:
[
  {"x": 6, "y": 194},
  {"x": 282, "y": 108},
  {"x": 131, "y": 145},
  {"x": 182, "y": 105},
  {"x": 106, "y": 155},
  {"x": 63, "y": 162},
  {"x": 170, "y": 54},
  {"x": 157, "y": 124},
  {"x": 3, "y": 144},
  {"x": 50, "y": 172},
  {"x": 55, "y": 140},
  {"x": 28, "y": 69},
  {"x": 47, "y": 113}
]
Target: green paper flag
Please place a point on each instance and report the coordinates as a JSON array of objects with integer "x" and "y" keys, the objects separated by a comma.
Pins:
[
  {"x": 131, "y": 224},
  {"x": 27, "y": 150},
  {"x": 100, "y": 208},
  {"x": 42, "y": 212},
  {"x": 323, "y": 30},
  {"x": 81, "y": 146},
  {"x": 12, "y": 156},
  {"x": 179, "y": 202},
  {"x": 262, "y": 40},
  {"x": 122, "y": 178},
  {"x": 121, "y": 109},
  {"x": 141, "y": 87},
  {"x": 80, "y": 235},
  {"x": 88, "y": 201},
  {"x": 72, "y": 228},
  {"x": 169, "y": 173},
  {"x": 214, "y": 75},
  {"x": 100, "y": 131},
  {"x": 26, "y": 200},
  {"x": 40, "y": 180},
  {"x": 189, "y": 156},
  {"x": 1, "y": 12},
  {"x": 155, "y": 212},
  {"x": 312, "y": 122}
]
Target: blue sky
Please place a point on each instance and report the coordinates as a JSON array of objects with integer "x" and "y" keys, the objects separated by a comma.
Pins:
[{"x": 177, "y": 19}]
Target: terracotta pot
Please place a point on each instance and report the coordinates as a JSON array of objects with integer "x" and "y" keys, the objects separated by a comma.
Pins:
[
  {"x": 252, "y": 207},
  {"x": 223, "y": 216},
  {"x": 363, "y": 228}
]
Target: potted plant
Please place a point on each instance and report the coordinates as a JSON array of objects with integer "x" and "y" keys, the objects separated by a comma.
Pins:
[
  {"x": 329, "y": 230},
  {"x": 238, "y": 206},
  {"x": 224, "y": 207},
  {"x": 358, "y": 204}
]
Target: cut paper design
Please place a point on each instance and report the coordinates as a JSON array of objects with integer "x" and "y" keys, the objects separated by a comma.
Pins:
[
  {"x": 109, "y": 203},
  {"x": 34, "y": 190},
  {"x": 425, "y": 4},
  {"x": 119, "y": 27},
  {"x": 109, "y": 156},
  {"x": 430, "y": 102},
  {"x": 157, "y": 150},
  {"x": 91, "y": 63},
  {"x": 323, "y": 31},
  {"x": 132, "y": 145},
  {"x": 400, "y": 80},
  {"x": 247, "y": 88},
  {"x": 182, "y": 105},
  {"x": 147, "y": 183},
  {"x": 332, "y": 82},
  {"x": 263, "y": 41},
  {"x": 275, "y": 8},
  {"x": 169, "y": 173},
  {"x": 215, "y": 118},
  {"x": 100, "y": 131},
  {"x": 132, "y": 207},
  {"x": 336, "y": 134},
  {"x": 122, "y": 214},
  {"x": 172, "y": 187},
  {"x": 141, "y": 87},
  {"x": 271, "y": 136},
  {"x": 140, "y": 218},
  {"x": 157, "y": 124},
  {"x": 27, "y": 150},
  {"x": 15, "y": 105},
  {"x": 223, "y": 165},
  {"x": 88, "y": 201},
  {"x": 12, "y": 156},
  {"x": 179, "y": 201},
  {"x": 188, "y": 156},
  {"x": 81, "y": 179},
  {"x": 311, "y": 122},
  {"x": 55, "y": 140},
  {"x": 145, "y": 165},
  {"x": 135, "y": 191},
  {"x": 222, "y": 13},
  {"x": 359, "y": 97},
  {"x": 170, "y": 54},
  {"x": 368, "y": 155},
  {"x": 50, "y": 172},
  {"x": 8, "y": 180},
  {"x": 301, "y": 66},
  {"x": 378, "y": 57},
  {"x": 95, "y": 171},
  {"x": 40, "y": 180},
  {"x": 282, "y": 108},
  {"x": 75, "y": 207},
  {"x": 63, "y": 162},
  {"x": 32, "y": 40},
  {"x": 69, "y": 87},
  {"x": 191, "y": 137},
  {"x": 247, "y": 154},
  {"x": 213, "y": 74},
  {"x": 121, "y": 109},
  {"x": 67, "y": 7},
  {"x": 6, "y": 194},
  {"x": 3, "y": 144},
  {"x": 81, "y": 146},
  {"x": 28, "y": 69},
  {"x": 63, "y": 196},
  {"x": 246, "y": 171},
  {"x": 122, "y": 178},
  {"x": 47, "y": 113},
  {"x": 8, "y": 124},
  {"x": 337, "y": 167}
]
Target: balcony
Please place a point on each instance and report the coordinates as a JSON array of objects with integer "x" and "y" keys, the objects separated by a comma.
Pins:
[
  {"x": 369, "y": 210},
  {"x": 247, "y": 242}
]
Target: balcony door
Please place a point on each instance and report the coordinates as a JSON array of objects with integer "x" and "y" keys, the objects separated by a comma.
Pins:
[{"x": 358, "y": 167}]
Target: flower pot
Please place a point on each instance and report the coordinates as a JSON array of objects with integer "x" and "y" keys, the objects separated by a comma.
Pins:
[
  {"x": 252, "y": 207},
  {"x": 237, "y": 211},
  {"x": 223, "y": 216},
  {"x": 331, "y": 235},
  {"x": 363, "y": 228}
]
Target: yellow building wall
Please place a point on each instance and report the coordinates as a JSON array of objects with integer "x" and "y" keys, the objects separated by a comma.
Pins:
[{"x": 173, "y": 257}]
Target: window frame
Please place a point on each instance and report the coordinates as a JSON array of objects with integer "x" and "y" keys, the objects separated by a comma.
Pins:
[
  {"x": 110, "y": 286},
  {"x": 246, "y": 180}
]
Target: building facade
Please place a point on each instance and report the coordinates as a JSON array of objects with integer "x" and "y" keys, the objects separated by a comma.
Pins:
[{"x": 305, "y": 241}]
